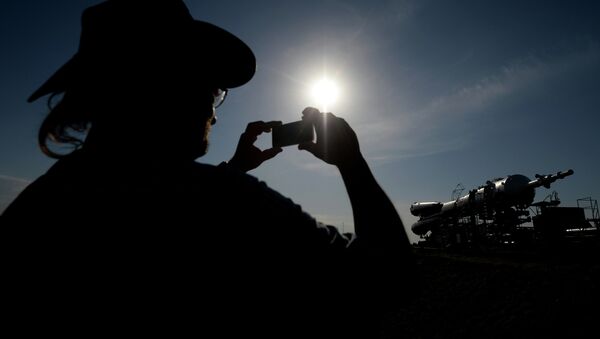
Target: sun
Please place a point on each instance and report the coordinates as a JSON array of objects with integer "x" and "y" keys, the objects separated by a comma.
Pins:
[{"x": 325, "y": 92}]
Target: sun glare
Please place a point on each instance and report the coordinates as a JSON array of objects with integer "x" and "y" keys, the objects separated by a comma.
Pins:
[{"x": 325, "y": 93}]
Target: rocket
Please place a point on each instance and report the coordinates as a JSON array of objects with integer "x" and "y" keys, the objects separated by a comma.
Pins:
[{"x": 513, "y": 190}]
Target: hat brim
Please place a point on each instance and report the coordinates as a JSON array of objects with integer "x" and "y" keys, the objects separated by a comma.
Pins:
[
  {"x": 59, "y": 81},
  {"x": 229, "y": 62},
  {"x": 232, "y": 62}
]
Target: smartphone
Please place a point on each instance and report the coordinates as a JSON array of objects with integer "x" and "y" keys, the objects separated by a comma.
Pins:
[{"x": 292, "y": 133}]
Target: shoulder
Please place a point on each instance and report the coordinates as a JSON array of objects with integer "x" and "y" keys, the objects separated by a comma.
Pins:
[{"x": 238, "y": 185}]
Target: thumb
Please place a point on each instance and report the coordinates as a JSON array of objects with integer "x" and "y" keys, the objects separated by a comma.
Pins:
[
  {"x": 270, "y": 153},
  {"x": 311, "y": 147}
]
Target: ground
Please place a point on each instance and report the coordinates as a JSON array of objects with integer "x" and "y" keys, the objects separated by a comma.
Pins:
[{"x": 550, "y": 293}]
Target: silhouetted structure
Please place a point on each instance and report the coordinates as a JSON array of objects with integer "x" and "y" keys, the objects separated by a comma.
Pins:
[
  {"x": 591, "y": 205},
  {"x": 496, "y": 214}
]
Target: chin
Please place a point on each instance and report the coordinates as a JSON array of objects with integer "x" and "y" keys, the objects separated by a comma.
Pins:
[{"x": 201, "y": 150}]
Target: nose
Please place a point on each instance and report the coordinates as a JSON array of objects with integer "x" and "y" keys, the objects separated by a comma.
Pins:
[{"x": 214, "y": 120}]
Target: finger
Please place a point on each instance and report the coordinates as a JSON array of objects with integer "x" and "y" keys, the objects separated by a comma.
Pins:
[
  {"x": 248, "y": 138},
  {"x": 270, "y": 153},
  {"x": 309, "y": 112},
  {"x": 269, "y": 125},
  {"x": 312, "y": 148},
  {"x": 307, "y": 146},
  {"x": 255, "y": 128}
]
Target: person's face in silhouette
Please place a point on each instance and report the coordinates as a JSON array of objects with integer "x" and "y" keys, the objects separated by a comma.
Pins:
[
  {"x": 144, "y": 79},
  {"x": 167, "y": 110},
  {"x": 196, "y": 113},
  {"x": 199, "y": 110}
]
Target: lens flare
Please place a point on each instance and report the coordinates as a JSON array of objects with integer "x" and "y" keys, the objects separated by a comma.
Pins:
[{"x": 325, "y": 92}]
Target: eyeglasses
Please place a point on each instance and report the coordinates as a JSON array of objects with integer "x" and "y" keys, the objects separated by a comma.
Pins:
[{"x": 219, "y": 96}]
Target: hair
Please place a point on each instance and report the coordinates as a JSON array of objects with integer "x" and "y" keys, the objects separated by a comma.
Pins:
[{"x": 66, "y": 124}]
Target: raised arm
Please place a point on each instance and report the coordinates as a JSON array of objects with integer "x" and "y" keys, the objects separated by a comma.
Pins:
[{"x": 376, "y": 221}]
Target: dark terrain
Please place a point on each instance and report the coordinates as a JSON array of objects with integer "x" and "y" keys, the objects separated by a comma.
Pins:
[{"x": 549, "y": 293}]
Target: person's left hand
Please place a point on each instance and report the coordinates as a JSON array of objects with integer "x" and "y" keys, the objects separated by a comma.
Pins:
[{"x": 247, "y": 156}]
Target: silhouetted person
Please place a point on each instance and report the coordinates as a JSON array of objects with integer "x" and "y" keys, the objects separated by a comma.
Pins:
[{"x": 127, "y": 234}]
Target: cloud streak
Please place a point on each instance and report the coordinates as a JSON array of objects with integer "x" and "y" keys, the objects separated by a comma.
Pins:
[
  {"x": 10, "y": 187},
  {"x": 421, "y": 131},
  {"x": 14, "y": 179}
]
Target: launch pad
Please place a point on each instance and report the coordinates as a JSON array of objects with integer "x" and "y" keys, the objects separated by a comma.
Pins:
[{"x": 502, "y": 215}]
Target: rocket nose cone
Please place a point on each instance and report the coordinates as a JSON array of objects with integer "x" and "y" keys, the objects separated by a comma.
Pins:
[{"x": 515, "y": 184}]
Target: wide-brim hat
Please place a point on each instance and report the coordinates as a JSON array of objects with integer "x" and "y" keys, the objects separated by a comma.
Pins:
[{"x": 118, "y": 33}]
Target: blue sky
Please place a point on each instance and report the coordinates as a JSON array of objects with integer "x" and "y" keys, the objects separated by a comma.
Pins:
[{"x": 439, "y": 92}]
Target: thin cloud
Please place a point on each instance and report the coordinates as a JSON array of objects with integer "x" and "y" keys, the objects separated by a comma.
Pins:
[
  {"x": 514, "y": 78},
  {"x": 421, "y": 131},
  {"x": 14, "y": 179},
  {"x": 10, "y": 187}
]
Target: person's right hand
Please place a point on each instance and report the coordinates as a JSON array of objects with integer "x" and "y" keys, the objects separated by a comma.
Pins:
[
  {"x": 247, "y": 156},
  {"x": 336, "y": 144}
]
